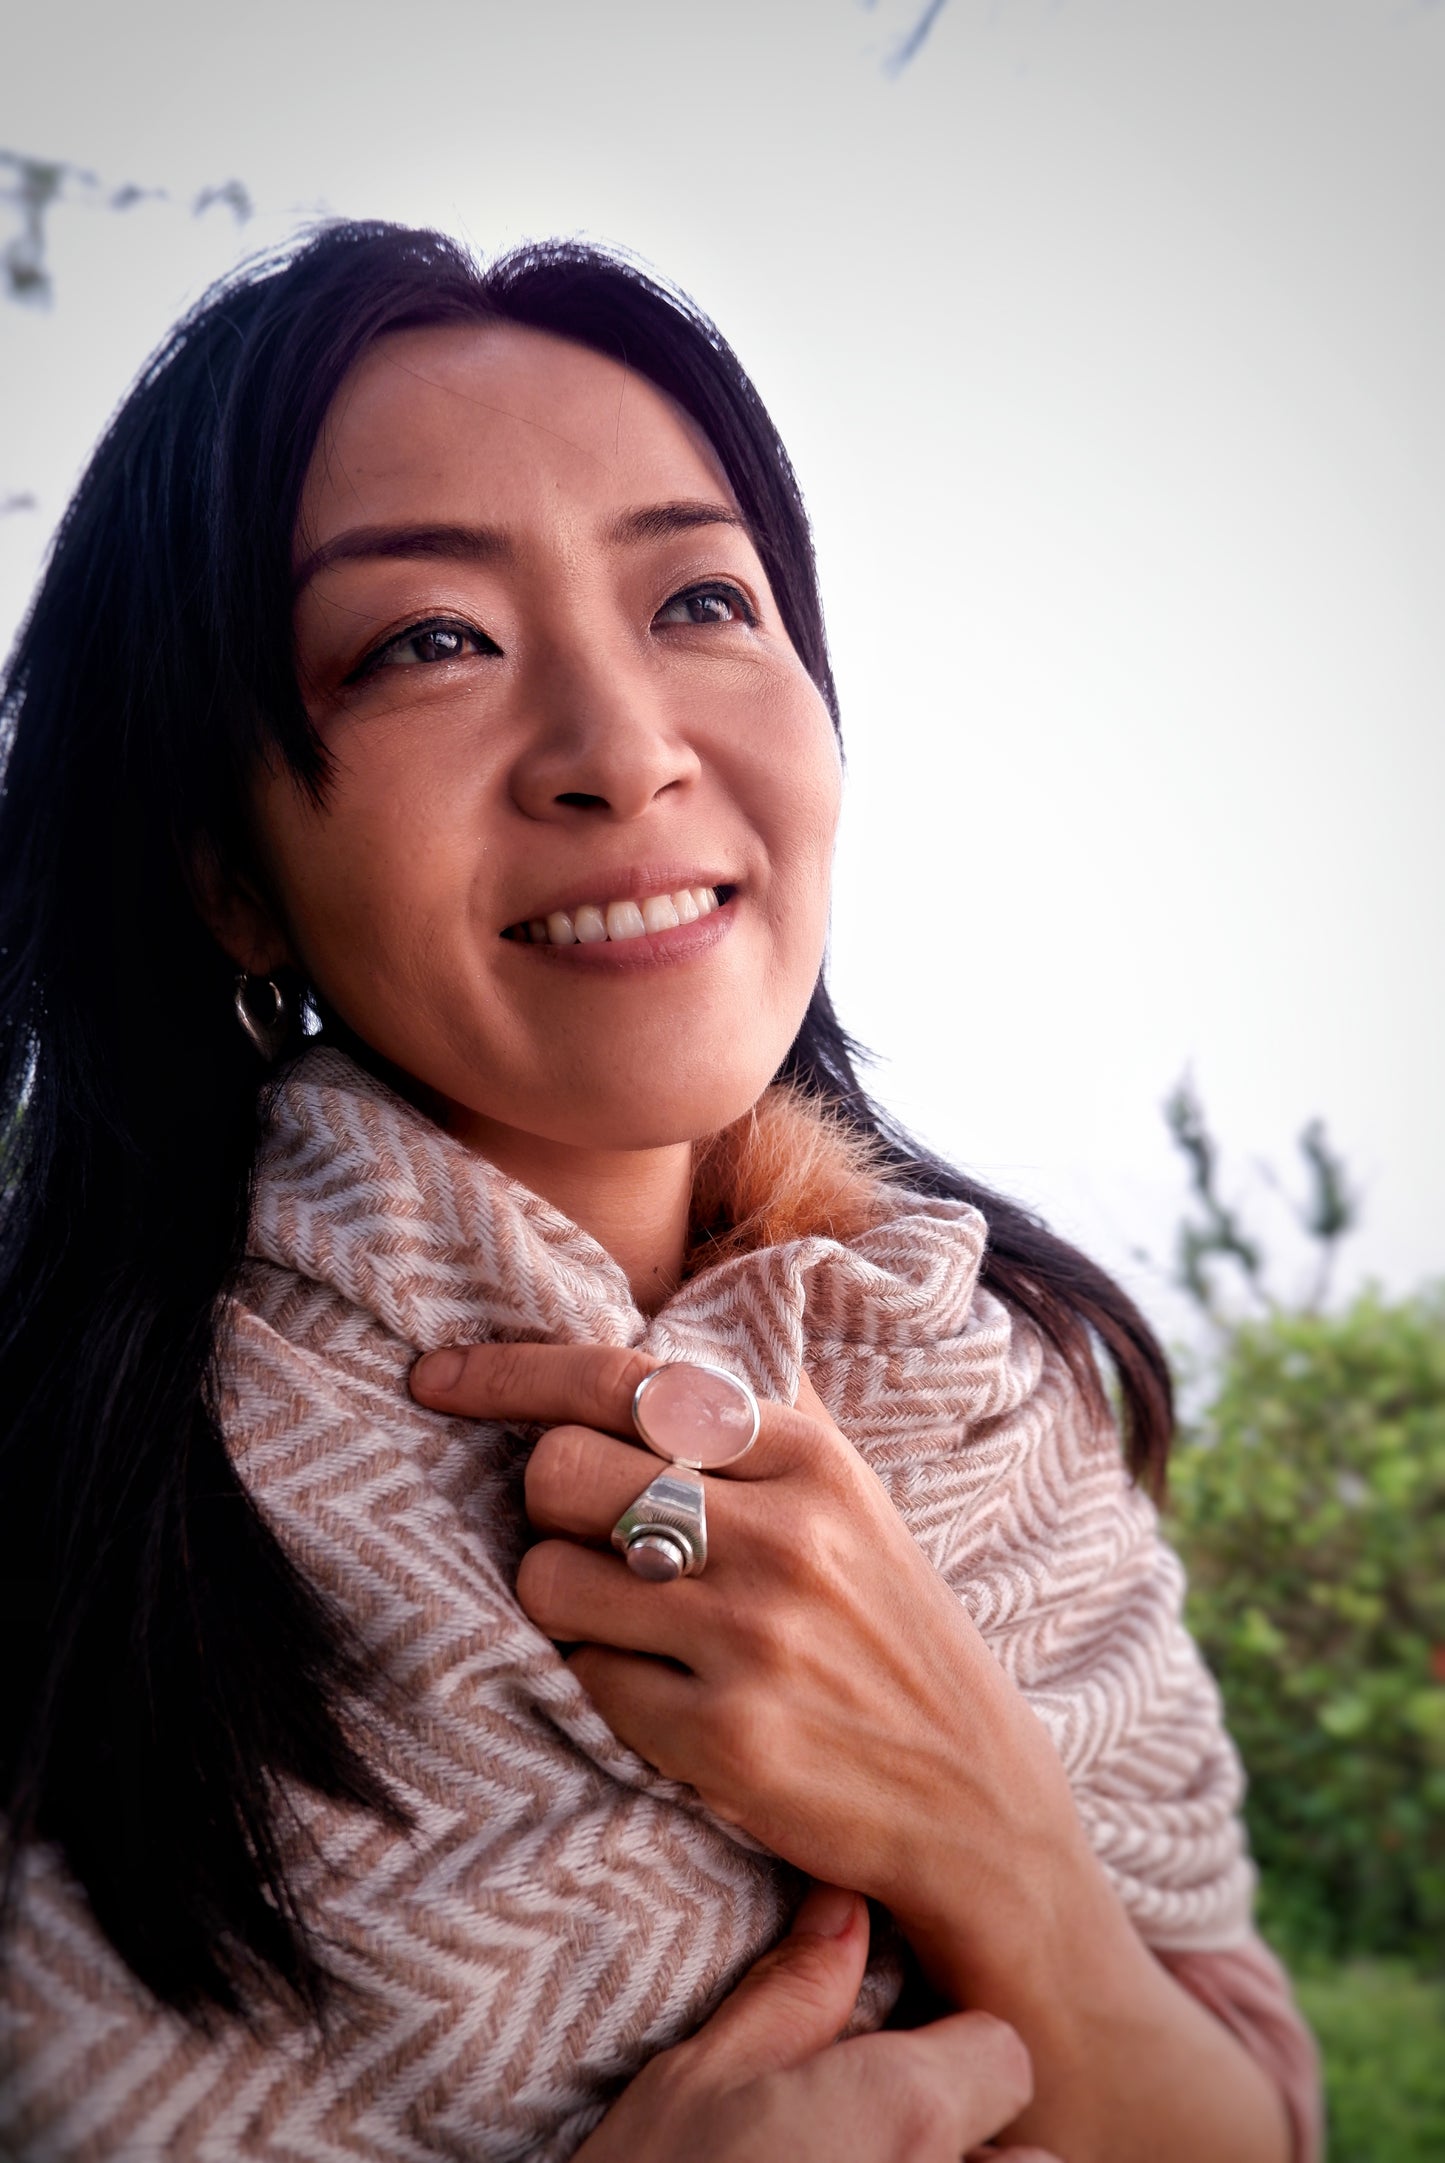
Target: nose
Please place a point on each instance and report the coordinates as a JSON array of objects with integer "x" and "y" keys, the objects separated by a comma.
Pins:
[{"x": 605, "y": 740}]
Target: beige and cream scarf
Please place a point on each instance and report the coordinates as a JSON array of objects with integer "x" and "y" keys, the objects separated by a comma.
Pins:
[{"x": 559, "y": 1912}]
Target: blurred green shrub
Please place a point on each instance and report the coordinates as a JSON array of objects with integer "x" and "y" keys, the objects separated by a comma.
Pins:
[
  {"x": 1308, "y": 1502},
  {"x": 1380, "y": 2030}
]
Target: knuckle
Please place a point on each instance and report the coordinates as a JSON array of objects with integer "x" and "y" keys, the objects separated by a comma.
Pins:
[
  {"x": 769, "y": 1626},
  {"x": 504, "y": 1368},
  {"x": 812, "y": 1541},
  {"x": 746, "y": 1738},
  {"x": 555, "y": 1465},
  {"x": 816, "y": 1450},
  {"x": 781, "y": 1636},
  {"x": 617, "y": 1373}
]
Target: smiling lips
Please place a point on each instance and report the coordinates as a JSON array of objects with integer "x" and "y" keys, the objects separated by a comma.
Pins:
[{"x": 618, "y": 921}]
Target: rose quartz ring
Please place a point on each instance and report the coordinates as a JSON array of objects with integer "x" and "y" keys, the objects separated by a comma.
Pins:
[
  {"x": 698, "y": 1418},
  {"x": 695, "y": 1415}
]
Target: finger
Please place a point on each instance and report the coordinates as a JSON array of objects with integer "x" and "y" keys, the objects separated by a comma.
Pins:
[
  {"x": 579, "y": 1596},
  {"x": 591, "y": 1385},
  {"x": 579, "y": 1482},
  {"x": 922, "y": 2097},
  {"x": 793, "y": 2001},
  {"x": 969, "y": 2075},
  {"x": 992, "y": 2153},
  {"x": 658, "y": 1709},
  {"x": 648, "y": 1704},
  {"x": 1013, "y": 2155}
]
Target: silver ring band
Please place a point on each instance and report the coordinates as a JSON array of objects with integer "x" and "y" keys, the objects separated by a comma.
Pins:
[{"x": 663, "y": 1534}]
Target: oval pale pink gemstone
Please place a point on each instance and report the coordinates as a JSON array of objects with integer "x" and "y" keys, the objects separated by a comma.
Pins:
[{"x": 695, "y": 1416}]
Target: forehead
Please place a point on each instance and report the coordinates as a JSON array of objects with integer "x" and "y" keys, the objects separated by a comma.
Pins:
[{"x": 499, "y": 421}]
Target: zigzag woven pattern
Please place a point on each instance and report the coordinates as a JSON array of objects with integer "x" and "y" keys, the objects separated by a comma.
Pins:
[{"x": 560, "y": 1912}]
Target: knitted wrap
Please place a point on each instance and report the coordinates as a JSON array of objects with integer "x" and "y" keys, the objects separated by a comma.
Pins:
[{"x": 559, "y": 1912}]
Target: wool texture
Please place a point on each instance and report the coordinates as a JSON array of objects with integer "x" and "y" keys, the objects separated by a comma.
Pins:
[{"x": 558, "y": 1912}]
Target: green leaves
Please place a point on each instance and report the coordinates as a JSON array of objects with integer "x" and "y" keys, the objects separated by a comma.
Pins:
[
  {"x": 1380, "y": 2028},
  {"x": 1309, "y": 1505}
]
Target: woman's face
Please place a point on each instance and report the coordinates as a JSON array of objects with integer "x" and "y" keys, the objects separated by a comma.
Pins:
[{"x": 541, "y": 650}]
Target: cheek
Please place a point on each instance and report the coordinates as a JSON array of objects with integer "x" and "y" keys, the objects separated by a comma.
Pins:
[
  {"x": 349, "y": 875},
  {"x": 802, "y": 824},
  {"x": 334, "y": 892}
]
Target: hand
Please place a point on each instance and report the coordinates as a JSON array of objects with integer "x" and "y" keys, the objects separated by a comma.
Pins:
[
  {"x": 764, "y": 2082},
  {"x": 819, "y": 1684}
]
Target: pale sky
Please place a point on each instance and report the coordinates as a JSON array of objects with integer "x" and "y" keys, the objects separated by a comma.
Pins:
[{"x": 1108, "y": 339}]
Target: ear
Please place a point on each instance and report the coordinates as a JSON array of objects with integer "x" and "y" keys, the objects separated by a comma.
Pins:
[{"x": 238, "y": 915}]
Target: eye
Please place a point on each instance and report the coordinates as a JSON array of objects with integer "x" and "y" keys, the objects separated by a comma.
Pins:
[
  {"x": 423, "y": 645},
  {"x": 715, "y": 603}
]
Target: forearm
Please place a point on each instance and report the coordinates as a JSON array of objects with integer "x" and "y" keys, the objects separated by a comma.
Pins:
[
  {"x": 1128, "y": 2066},
  {"x": 1017, "y": 1917}
]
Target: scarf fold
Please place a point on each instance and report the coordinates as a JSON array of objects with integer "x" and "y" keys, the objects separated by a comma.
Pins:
[{"x": 560, "y": 1912}]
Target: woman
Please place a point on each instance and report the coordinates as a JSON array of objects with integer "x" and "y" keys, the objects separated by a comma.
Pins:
[{"x": 416, "y": 843}]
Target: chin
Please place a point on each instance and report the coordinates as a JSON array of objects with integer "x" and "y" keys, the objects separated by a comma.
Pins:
[{"x": 650, "y": 1115}]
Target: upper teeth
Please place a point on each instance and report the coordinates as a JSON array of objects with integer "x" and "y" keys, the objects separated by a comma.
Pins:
[{"x": 621, "y": 919}]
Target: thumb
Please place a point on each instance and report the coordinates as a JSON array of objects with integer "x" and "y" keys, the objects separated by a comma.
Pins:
[{"x": 793, "y": 2001}]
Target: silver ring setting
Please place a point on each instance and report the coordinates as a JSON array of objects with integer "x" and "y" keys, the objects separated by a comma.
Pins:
[
  {"x": 699, "y": 1418},
  {"x": 663, "y": 1534}
]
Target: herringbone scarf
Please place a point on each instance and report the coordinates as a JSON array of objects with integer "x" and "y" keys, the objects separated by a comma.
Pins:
[{"x": 559, "y": 1913}]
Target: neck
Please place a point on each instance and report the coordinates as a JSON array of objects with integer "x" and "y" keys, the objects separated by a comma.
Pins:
[{"x": 634, "y": 1202}]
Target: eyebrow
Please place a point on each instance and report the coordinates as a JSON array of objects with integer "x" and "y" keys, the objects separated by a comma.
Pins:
[
  {"x": 488, "y": 544},
  {"x": 453, "y": 544},
  {"x": 659, "y": 520}
]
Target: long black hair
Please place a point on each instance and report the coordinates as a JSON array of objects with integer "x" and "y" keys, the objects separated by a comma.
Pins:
[{"x": 167, "y": 1672}]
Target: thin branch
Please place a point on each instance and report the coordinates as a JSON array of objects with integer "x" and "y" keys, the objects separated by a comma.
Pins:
[
  {"x": 33, "y": 187},
  {"x": 917, "y": 37}
]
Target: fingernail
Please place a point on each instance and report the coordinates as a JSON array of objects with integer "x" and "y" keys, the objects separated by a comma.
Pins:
[
  {"x": 439, "y": 1371},
  {"x": 826, "y": 1912}
]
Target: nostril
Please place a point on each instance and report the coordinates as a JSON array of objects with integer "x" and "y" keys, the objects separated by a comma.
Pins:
[{"x": 581, "y": 801}]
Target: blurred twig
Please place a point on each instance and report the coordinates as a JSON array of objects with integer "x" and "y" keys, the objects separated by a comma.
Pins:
[
  {"x": 910, "y": 45},
  {"x": 32, "y": 187},
  {"x": 1215, "y": 1234}
]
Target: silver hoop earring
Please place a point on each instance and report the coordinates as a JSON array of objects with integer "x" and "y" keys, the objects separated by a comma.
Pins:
[{"x": 267, "y": 1031}]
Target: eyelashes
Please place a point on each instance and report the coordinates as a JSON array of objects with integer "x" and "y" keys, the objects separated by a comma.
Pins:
[
  {"x": 425, "y": 645},
  {"x": 714, "y": 590},
  {"x": 436, "y": 640}
]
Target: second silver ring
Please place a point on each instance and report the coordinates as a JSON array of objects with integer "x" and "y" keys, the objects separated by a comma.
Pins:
[{"x": 662, "y": 1535}]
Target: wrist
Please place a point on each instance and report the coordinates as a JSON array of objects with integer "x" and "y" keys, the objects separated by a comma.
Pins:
[
  {"x": 997, "y": 1845},
  {"x": 1009, "y": 1906}
]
